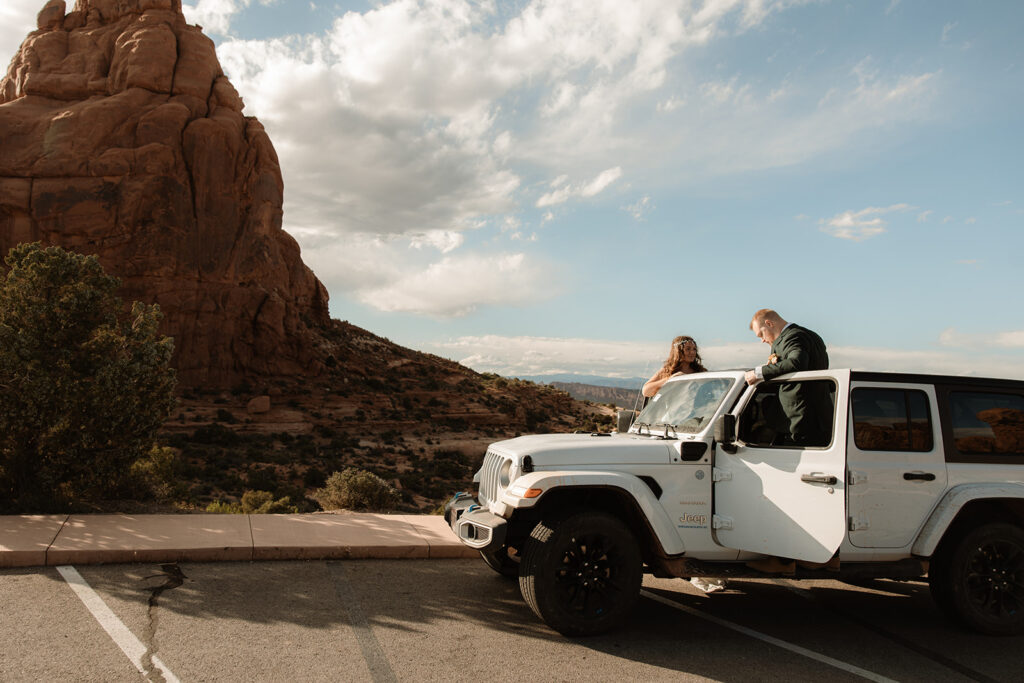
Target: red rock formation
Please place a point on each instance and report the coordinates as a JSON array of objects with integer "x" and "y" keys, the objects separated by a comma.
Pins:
[
  {"x": 1007, "y": 428},
  {"x": 121, "y": 137}
]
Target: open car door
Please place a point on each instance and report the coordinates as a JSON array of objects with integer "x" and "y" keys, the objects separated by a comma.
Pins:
[{"x": 780, "y": 494}]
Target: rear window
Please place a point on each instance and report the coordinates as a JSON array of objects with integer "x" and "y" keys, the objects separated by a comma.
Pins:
[
  {"x": 987, "y": 422},
  {"x": 891, "y": 420}
]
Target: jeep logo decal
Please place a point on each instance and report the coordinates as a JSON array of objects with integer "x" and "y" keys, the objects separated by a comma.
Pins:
[{"x": 693, "y": 521}]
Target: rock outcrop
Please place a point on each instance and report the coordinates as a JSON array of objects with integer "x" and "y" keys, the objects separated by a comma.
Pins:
[{"x": 121, "y": 137}]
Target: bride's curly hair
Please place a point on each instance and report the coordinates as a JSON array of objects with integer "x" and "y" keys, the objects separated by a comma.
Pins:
[{"x": 675, "y": 361}]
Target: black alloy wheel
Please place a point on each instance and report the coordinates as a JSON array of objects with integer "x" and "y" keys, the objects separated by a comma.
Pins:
[
  {"x": 984, "y": 580},
  {"x": 581, "y": 574}
]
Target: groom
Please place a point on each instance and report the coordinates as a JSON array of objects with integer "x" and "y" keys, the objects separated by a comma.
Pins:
[{"x": 795, "y": 348}]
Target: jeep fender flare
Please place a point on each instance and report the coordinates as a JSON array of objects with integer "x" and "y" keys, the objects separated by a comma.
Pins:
[
  {"x": 951, "y": 504},
  {"x": 632, "y": 486}
]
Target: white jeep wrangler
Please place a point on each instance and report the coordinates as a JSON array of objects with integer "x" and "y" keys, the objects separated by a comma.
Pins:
[{"x": 922, "y": 474}]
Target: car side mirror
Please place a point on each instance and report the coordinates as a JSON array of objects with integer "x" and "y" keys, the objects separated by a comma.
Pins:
[
  {"x": 725, "y": 432},
  {"x": 624, "y": 420}
]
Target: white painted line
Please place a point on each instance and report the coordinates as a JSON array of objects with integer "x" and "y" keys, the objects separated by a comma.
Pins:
[
  {"x": 824, "y": 659},
  {"x": 115, "y": 628}
]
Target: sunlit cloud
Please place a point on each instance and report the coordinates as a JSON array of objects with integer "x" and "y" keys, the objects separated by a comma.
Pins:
[
  {"x": 1010, "y": 339},
  {"x": 532, "y": 356},
  {"x": 640, "y": 208},
  {"x": 456, "y": 285},
  {"x": 563, "y": 192},
  {"x": 859, "y": 225}
]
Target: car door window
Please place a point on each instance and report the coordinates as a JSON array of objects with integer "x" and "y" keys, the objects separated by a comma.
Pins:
[
  {"x": 985, "y": 422},
  {"x": 891, "y": 420},
  {"x": 789, "y": 415}
]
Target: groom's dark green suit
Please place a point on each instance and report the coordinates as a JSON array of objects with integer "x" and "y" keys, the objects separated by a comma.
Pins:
[{"x": 807, "y": 405}]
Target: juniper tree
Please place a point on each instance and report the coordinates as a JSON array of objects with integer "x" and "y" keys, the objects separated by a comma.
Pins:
[{"x": 84, "y": 384}]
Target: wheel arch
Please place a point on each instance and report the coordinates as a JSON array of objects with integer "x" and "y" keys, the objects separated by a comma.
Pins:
[
  {"x": 966, "y": 507},
  {"x": 615, "y": 501}
]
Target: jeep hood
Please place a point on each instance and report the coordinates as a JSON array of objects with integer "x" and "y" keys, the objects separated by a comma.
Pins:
[{"x": 567, "y": 450}]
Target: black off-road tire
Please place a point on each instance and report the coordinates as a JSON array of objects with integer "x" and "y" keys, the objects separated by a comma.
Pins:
[
  {"x": 978, "y": 579},
  {"x": 581, "y": 573},
  {"x": 500, "y": 562}
]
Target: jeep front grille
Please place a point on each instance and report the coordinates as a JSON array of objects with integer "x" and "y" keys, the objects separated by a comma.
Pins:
[{"x": 489, "y": 478}]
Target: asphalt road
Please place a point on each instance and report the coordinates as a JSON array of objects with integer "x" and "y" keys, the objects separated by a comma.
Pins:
[{"x": 456, "y": 620}]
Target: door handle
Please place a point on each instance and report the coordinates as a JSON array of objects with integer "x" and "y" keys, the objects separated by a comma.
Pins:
[
  {"x": 829, "y": 479},
  {"x": 919, "y": 476}
]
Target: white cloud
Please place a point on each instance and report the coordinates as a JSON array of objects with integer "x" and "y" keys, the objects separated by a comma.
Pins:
[
  {"x": 457, "y": 285},
  {"x": 952, "y": 362},
  {"x": 17, "y": 19},
  {"x": 563, "y": 192},
  {"x": 640, "y": 208},
  {"x": 947, "y": 30},
  {"x": 524, "y": 355},
  {"x": 425, "y": 117},
  {"x": 520, "y": 356},
  {"x": 671, "y": 104},
  {"x": 859, "y": 225},
  {"x": 601, "y": 182},
  {"x": 215, "y": 15},
  {"x": 954, "y": 338},
  {"x": 381, "y": 126},
  {"x": 442, "y": 240},
  {"x": 923, "y": 216},
  {"x": 558, "y": 196}
]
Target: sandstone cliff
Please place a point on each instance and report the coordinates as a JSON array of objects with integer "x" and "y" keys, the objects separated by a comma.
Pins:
[{"x": 121, "y": 137}]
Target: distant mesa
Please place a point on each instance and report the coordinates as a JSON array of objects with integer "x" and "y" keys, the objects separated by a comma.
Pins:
[{"x": 121, "y": 137}]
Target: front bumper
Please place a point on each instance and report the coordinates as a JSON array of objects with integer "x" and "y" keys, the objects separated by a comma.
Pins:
[{"x": 475, "y": 526}]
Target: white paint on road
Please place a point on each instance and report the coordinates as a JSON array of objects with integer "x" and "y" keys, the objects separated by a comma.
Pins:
[
  {"x": 115, "y": 628},
  {"x": 824, "y": 659}
]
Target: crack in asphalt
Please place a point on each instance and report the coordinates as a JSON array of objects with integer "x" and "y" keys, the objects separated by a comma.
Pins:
[{"x": 174, "y": 577}]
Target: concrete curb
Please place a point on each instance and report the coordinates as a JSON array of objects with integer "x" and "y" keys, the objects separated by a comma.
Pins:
[{"x": 49, "y": 540}]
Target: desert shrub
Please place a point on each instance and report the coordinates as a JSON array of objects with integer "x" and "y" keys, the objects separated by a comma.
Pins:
[
  {"x": 263, "y": 503},
  {"x": 158, "y": 473},
  {"x": 83, "y": 385},
  {"x": 224, "y": 508},
  {"x": 354, "y": 489},
  {"x": 254, "y": 503}
]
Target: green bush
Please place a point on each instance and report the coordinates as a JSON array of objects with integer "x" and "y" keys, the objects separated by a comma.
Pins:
[
  {"x": 263, "y": 503},
  {"x": 254, "y": 503},
  {"x": 83, "y": 385},
  {"x": 221, "y": 508},
  {"x": 158, "y": 473},
  {"x": 354, "y": 489}
]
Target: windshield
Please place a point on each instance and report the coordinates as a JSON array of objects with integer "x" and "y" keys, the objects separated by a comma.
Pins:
[{"x": 686, "y": 406}]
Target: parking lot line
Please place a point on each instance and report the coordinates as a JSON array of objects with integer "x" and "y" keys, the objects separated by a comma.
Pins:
[
  {"x": 115, "y": 628},
  {"x": 824, "y": 659}
]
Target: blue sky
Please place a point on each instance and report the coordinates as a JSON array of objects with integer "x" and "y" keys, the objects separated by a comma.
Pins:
[{"x": 563, "y": 186}]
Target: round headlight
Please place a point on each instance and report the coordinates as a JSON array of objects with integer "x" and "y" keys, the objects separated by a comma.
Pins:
[{"x": 505, "y": 474}]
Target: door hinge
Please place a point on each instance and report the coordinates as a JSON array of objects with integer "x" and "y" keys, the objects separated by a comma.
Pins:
[
  {"x": 859, "y": 523},
  {"x": 719, "y": 522},
  {"x": 854, "y": 477},
  {"x": 720, "y": 474}
]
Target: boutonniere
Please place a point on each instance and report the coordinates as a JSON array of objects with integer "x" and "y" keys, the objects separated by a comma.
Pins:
[{"x": 773, "y": 359}]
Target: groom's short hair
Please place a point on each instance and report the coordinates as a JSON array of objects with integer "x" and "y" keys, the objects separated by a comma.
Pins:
[{"x": 762, "y": 315}]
